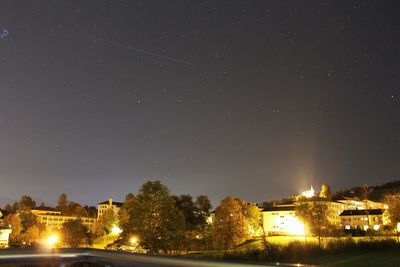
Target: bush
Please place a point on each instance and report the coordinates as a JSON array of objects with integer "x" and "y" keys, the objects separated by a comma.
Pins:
[{"x": 298, "y": 251}]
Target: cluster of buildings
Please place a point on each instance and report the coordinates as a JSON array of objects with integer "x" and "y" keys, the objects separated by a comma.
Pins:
[
  {"x": 53, "y": 219},
  {"x": 279, "y": 219},
  {"x": 348, "y": 214}
]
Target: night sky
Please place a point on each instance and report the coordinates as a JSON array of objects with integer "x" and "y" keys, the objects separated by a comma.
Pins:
[{"x": 257, "y": 99}]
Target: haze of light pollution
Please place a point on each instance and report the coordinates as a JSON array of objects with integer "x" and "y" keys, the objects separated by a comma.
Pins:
[{"x": 253, "y": 99}]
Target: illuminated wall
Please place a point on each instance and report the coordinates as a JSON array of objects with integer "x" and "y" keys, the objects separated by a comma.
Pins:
[
  {"x": 4, "y": 234},
  {"x": 282, "y": 222}
]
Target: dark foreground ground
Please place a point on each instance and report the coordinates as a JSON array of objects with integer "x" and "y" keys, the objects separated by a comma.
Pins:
[
  {"x": 390, "y": 258},
  {"x": 94, "y": 257},
  {"x": 104, "y": 258}
]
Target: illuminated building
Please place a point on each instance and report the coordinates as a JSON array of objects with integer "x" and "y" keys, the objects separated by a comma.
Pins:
[
  {"x": 362, "y": 219},
  {"x": 53, "y": 219},
  {"x": 45, "y": 211},
  {"x": 282, "y": 220},
  {"x": 5, "y": 231},
  {"x": 337, "y": 207},
  {"x": 4, "y": 235},
  {"x": 102, "y": 207}
]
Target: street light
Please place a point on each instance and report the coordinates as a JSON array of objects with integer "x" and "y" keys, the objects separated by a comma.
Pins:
[
  {"x": 52, "y": 240},
  {"x": 133, "y": 240},
  {"x": 116, "y": 230}
]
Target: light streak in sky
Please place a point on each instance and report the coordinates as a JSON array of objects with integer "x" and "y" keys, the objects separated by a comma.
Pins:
[{"x": 130, "y": 47}]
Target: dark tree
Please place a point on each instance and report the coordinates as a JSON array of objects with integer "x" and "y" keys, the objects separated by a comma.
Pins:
[
  {"x": 15, "y": 207},
  {"x": 15, "y": 237},
  {"x": 154, "y": 217},
  {"x": 26, "y": 203},
  {"x": 325, "y": 192},
  {"x": 203, "y": 204},
  {"x": 75, "y": 234},
  {"x": 314, "y": 214},
  {"x": 28, "y": 219},
  {"x": 76, "y": 209},
  {"x": 196, "y": 215},
  {"x": 106, "y": 222},
  {"x": 189, "y": 210},
  {"x": 230, "y": 225},
  {"x": 129, "y": 198},
  {"x": 393, "y": 203},
  {"x": 123, "y": 214},
  {"x": 62, "y": 203},
  {"x": 9, "y": 208},
  {"x": 91, "y": 211},
  {"x": 366, "y": 192}
]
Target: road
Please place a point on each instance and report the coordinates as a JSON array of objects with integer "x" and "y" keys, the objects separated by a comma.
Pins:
[{"x": 60, "y": 257}]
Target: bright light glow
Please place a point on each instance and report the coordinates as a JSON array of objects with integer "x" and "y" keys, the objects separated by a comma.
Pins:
[
  {"x": 116, "y": 230},
  {"x": 290, "y": 225},
  {"x": 385, "y": 207},
  {"x": 296, "y": 228},
  {"x": 376, "y": 227},
  {"x": 52, "y": 240},
  {"x": 133, "y": 240},
  {"x": 398, "y": 227},
  {"x": 308, "y": 193}
]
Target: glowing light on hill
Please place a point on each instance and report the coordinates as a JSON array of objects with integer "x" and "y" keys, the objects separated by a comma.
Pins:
[{"x": 308, "y": 193}]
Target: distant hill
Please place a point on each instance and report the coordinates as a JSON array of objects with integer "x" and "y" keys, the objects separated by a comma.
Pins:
[{"x": 377, "y": 194}]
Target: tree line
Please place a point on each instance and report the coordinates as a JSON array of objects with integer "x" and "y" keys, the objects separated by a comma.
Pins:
[
  {"x": 161, "y": 222},
  {"x": 166, "y": 223},
  {"x": 27, "y": 231}
]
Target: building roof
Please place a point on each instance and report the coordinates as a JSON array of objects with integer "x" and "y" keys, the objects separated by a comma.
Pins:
[
  {"x": 118, "y": 204},
  {"x": 46, "y": 209},
  {"x": 361, "y": 212},
  {"x": 282, "y": 208},
  {"x": 286, "y": 202}
]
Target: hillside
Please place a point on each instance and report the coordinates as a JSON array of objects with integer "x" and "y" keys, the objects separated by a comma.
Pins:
[{"x": 377, "y": 194}]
